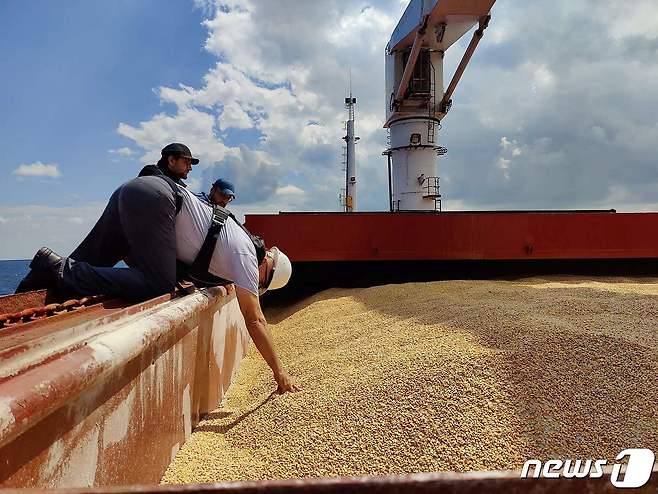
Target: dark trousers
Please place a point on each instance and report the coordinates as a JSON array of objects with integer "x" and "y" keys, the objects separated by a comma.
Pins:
[{"x": 137, "y": 226}]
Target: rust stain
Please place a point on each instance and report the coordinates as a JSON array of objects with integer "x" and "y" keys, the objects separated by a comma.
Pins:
[
  {"x": 17, "y": 302},
  {"x": 34, "y": 313},
  {"x": 22, "y": 308},
  {"x": 74, "y": 412}
]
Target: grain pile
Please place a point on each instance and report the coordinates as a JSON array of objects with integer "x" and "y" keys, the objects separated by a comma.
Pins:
[{"x": 458, "y": 375}]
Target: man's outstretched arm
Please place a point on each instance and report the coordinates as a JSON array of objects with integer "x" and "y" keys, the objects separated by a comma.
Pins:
[{"x": 257, "y": 327}]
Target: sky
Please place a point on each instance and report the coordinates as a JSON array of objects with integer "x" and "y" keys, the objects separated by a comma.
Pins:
[{"x": 557, "y": 109}]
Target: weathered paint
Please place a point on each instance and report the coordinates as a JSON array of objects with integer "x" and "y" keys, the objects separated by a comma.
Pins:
[
  {"x": 116, "y": 400},
  {"x": 187, "y": 413},
  {"x": 117, "y": 423},
  {"x": 80, "y": 467},
  {"x": 60, "y": 333},
  {"x": 20, "y": 301},
  {"x": 6, "y": 416},
  {"x": 39, "y": 311}
]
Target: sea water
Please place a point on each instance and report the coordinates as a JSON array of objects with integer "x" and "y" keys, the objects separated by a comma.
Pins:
[{"x": 11, "y": 273}]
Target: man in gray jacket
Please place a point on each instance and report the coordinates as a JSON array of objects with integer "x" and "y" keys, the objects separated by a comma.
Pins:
[{"x": 137, "y": 226}]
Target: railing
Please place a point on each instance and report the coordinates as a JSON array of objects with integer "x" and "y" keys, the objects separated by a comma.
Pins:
[{"x": 432, "y": 191}]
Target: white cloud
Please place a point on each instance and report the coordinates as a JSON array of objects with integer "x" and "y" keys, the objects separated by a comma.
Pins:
[
  {"x": 630, "y": 20},
  {"x": 194, "y": 184},
  {"x": 376, "y": 24},
  {"x": 234, "y": 117},
  {"x": 190, "y": 126},
  {"x": 30, "y": 227},
  {"x": 503, "y": 164},
  {"x": 253, "y": 173},
  {"x": 37, "y": 169},
  {"x": 543, "y": 78},
  {"x": 288, "y": 93},
  {"x": 510, "y": 146},
  {"x": 282, "y": 73},
  {"x": 505, "y": 143},
  {"x": 125, "y": 152},
  {"x": 290, "y": 190}
]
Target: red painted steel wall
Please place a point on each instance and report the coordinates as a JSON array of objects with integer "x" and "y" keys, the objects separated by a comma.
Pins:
[
  {"x": 110, "y": 401},
  {"x": 456, "y": 236}
]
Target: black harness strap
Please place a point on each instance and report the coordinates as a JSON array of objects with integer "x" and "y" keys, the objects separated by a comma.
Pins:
[
  {"x": 198, "y": 271},
  {"x": 202, "y": 262},
  {"x": 154, "y": 171}
]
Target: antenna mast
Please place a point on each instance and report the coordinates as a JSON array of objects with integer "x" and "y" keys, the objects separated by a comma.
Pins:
[{"x": 349, "y": 202}]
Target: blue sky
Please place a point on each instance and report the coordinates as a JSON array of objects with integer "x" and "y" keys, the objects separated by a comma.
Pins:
[
  {"x": 556, "y": 110},
  {"x": 77, "y": 68}
]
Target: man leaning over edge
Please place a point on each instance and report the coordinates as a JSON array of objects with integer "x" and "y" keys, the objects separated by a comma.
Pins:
[{"x": 231, "y": 254}]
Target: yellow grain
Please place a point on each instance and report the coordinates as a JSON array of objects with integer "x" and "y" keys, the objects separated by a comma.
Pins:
[{"x": 456, "y": 375}]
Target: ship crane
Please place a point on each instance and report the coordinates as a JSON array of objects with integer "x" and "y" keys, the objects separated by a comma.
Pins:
[{"x": 416, "y": 100}]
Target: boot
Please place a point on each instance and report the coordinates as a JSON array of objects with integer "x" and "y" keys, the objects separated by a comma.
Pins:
[{"x": 43, "y": 271}]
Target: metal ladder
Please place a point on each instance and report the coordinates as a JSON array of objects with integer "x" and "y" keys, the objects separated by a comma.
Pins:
[
  {"x": 431, "y": 103},
  {"x": 343, "y": 160},
  {"x": 342, "y": 198}
]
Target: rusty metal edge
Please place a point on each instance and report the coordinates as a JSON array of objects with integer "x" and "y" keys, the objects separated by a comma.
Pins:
[
  {"x": 104, "y": 312},
  {"x": 57, "y": 316},
  {"x": 13, "y": 302},
  {"x": 498, "y": 481},
  {"x": 30, "y": 398}
]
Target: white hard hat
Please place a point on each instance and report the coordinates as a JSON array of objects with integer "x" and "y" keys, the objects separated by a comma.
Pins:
[{"x": 282, "y": 270}]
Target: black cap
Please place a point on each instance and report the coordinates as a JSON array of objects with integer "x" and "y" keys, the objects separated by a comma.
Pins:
[{"x": 179, "y": 150}]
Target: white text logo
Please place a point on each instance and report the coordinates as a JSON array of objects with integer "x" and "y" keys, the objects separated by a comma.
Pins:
[{"x": 637, "y": 472}]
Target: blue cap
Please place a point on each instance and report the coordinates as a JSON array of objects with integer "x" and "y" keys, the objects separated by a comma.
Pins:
[{"x": 225, "y": 187}]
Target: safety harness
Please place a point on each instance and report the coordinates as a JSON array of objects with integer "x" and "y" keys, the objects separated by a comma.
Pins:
[
  {"x": 198, "y": 272},
  {"x": 156, "y": 171},
  {"x": 178, "y": 195}
]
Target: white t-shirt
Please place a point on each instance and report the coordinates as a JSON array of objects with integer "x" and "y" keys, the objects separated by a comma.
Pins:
[{"x": 234, "y": 258}]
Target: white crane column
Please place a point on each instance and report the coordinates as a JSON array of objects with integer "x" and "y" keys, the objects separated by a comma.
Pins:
[
  {"x": 415, "y": 98},
  {"x": 414, "y": 149}
]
